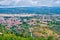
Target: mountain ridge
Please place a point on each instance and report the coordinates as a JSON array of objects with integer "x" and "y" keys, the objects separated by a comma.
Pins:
[{"x": 35, "y": 10}]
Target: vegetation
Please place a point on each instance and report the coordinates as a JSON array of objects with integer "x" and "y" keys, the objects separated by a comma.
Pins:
[{"x": 14, "y": 37}]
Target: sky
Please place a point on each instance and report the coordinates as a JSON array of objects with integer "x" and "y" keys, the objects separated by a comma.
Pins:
[{"x": 30, "y": 2}]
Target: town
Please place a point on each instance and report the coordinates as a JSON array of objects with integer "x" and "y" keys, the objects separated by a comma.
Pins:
[{"x": 31, "y": 19}]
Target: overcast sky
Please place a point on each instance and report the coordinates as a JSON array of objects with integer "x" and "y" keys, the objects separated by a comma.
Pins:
[{"x": 30, "y": 2}]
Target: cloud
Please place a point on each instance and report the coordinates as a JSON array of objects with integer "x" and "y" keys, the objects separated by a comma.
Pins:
[{"x": 30, "y": 2}]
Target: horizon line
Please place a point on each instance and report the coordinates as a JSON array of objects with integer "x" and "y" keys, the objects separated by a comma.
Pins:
[{"x": 4, "y": 6}]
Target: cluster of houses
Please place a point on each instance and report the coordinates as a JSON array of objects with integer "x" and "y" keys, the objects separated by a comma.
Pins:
[
  {"x": 45, "y": 18},
  {"x": 11, "y": 21}
]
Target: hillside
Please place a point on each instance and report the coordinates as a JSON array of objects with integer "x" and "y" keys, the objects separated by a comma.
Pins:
[{"x": 44, "y": 31}]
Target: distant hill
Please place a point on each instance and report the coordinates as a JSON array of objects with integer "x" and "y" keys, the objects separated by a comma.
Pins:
[{"x": 36, "y": 10}]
